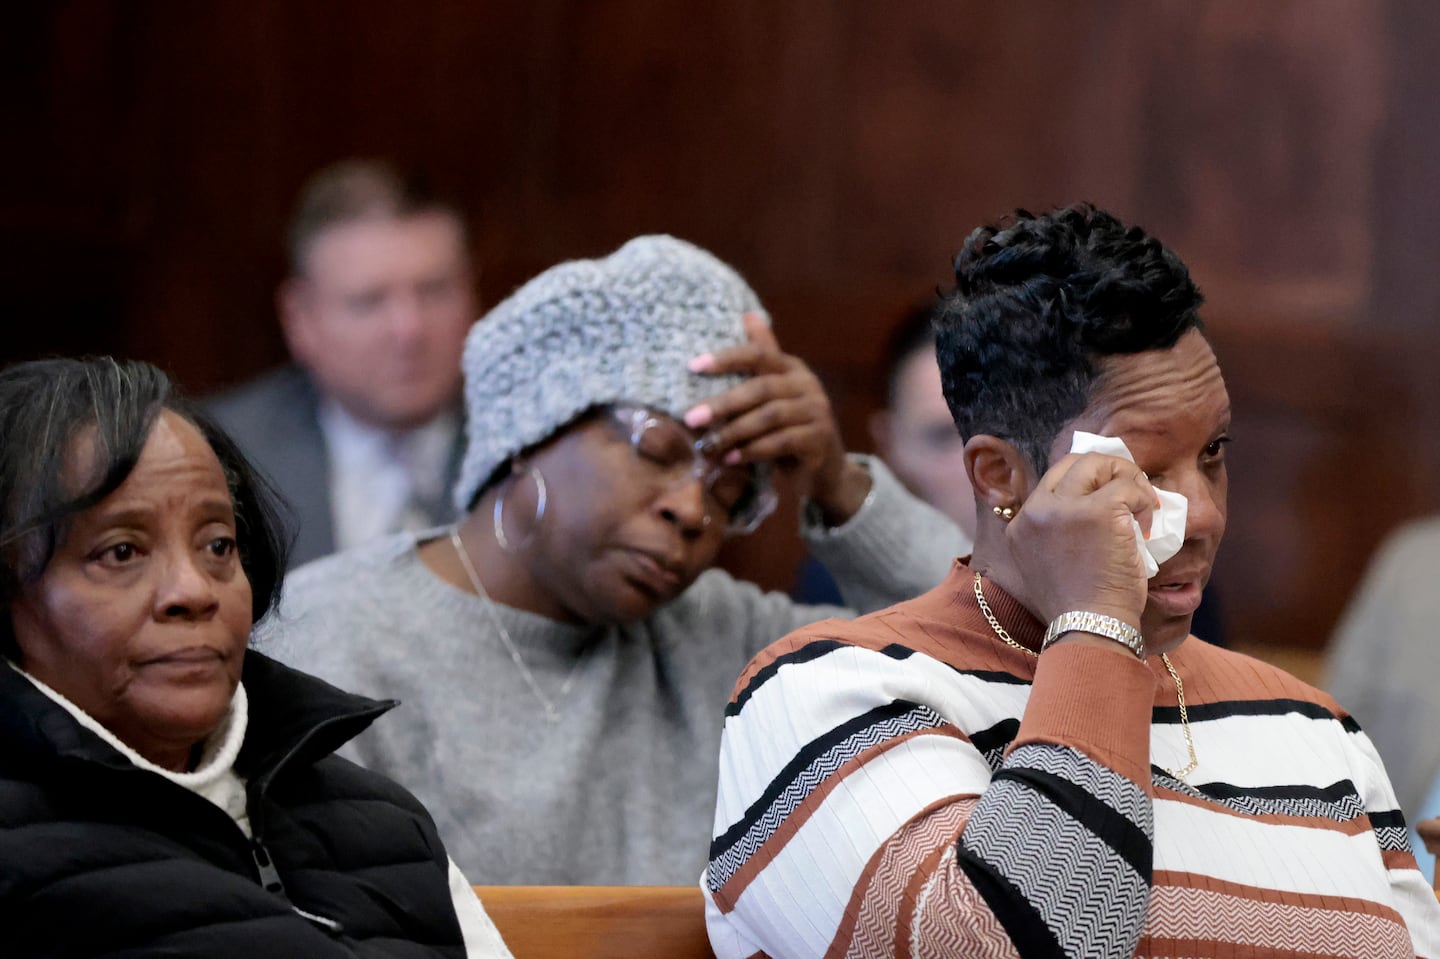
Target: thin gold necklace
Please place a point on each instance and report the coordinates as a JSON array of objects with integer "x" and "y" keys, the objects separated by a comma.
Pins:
[
  {"x": 552, "y": 708},
  {"x": 1179, "y": 774}
]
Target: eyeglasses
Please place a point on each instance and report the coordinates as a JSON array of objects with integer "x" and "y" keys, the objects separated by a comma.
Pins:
[{"x": 740, "y": 493}]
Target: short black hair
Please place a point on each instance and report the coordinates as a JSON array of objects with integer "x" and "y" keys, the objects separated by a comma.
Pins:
[
  {"x": 45, "y": 405},
  {"x": 355, "y": 189},
  {"x": 1039, "y": 302}
]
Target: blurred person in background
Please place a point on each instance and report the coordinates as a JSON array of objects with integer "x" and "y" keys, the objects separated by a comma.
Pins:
[
  {"x": 1429, "y": 833},
  {"x": 914, "y": 432},
  {"x": 362, "y": 433},
  {"x": 1425, "y": 834},
  {"x": 163, "y": 789},
  {"x": 915, "y": 436},
  {"x": 565, "y": 650},
  {"x": 1384, "y": 664}
]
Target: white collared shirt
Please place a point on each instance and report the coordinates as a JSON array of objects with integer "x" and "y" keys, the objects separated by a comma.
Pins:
[{"x": 378, "y": 478}]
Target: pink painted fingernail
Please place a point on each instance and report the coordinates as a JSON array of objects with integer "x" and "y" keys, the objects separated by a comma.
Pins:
[
  {"x": 702, "y": 363},
  {"x": 699, "y": 416},
  {"x": 732, "y": 457}
]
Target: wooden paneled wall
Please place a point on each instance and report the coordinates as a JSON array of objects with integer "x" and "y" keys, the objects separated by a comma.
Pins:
[{"x": 836, "y": 153}]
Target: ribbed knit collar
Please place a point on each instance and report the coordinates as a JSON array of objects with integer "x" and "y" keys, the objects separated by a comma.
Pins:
[{"x": 1018, "y": 621}]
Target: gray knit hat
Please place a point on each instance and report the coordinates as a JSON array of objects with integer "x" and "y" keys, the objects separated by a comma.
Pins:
[{"x": 590, "y": 332}]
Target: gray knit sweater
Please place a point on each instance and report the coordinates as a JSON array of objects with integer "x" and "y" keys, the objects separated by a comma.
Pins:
[{"x": 621, "y": 790}]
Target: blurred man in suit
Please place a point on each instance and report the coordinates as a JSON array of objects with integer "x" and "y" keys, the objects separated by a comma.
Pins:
[
  {"x": 914, "y": 432},
  {"x": 915, "y": 436},
  {"x": 362, "y": 433}
]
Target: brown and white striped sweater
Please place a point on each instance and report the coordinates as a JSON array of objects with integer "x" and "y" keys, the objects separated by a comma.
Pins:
[{"x": 907, "y": 785}]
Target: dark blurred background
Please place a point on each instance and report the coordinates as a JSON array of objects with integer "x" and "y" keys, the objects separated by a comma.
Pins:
[{"x": 836, "y": 153}]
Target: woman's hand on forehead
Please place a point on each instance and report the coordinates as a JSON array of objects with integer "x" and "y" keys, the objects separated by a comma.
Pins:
[{"x": 779, "y": 415}]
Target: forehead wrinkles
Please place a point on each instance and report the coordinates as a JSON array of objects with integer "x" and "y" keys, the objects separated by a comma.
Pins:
[
  {"x": 176, "y": 448},
  {"x": 175, "y": 461},
  {"x": 1182, "y": 381}
]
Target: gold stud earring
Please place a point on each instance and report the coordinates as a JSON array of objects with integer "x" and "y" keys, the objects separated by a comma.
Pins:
[{"x": 1006, "y": 513}]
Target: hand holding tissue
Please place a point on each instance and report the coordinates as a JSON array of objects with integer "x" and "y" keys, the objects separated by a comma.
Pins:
[{"x": 1167, "y": 524}]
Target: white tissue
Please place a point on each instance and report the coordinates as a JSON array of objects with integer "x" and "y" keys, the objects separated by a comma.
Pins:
[{"x": 1167, "y": 524}]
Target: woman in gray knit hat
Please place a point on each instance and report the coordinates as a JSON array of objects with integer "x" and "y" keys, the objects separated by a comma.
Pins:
[{"x": 565, "y": 652}]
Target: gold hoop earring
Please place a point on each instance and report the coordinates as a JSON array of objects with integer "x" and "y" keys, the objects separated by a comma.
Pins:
[
  {"x": 1007, "y": 513},
  {"x": 498, "y": 515}
]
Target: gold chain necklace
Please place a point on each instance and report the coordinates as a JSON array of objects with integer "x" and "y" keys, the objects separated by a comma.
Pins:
[
  {"x": 552, "y": 708},
  {"x": 1179, "y": 774}
]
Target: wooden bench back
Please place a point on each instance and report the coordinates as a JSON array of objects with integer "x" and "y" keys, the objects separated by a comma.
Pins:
[{"x": 599, "y": 922}]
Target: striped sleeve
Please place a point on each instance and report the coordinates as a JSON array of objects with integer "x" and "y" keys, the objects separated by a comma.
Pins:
[
  {"x": 1413, "y": 895},
  {"x": 876, "y": 802}
]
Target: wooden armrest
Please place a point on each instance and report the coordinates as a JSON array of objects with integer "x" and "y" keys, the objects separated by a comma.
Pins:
[{"x": 599, "y": 922}]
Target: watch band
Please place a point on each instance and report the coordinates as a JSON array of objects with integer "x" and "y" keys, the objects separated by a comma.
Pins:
[{"x": 1100, "y": 625}]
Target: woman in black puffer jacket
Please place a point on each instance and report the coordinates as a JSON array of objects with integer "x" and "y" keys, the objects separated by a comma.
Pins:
[{"x": 162, "y": 790}]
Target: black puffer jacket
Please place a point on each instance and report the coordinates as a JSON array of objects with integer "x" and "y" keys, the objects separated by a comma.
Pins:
[{"x": 101, "y": 858}]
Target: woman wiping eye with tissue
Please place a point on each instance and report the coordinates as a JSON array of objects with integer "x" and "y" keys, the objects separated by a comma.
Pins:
[
  {"x": 1036, "y": 758},
  {"x": 1167, "y": 524}
]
